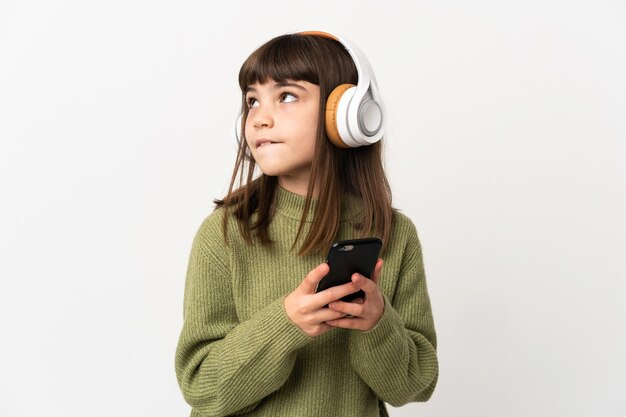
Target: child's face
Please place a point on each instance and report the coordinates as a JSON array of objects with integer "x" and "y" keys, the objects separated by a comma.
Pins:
[{"x": 281, "y": 128}]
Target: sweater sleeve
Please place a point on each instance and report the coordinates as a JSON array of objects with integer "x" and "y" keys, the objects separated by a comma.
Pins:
[
  {"x": 397, "y": 358},
  {"x": 224, "y": 366}
]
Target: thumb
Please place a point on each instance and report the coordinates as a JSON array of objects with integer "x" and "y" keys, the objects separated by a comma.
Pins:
[{"x": 312, "y": 278}]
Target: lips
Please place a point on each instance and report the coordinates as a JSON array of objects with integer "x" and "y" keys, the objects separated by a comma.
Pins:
[{"x": 263, "y": 142}]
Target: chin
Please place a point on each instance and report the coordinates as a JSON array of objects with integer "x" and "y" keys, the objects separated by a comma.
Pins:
[{"x": 269, "y": 170}]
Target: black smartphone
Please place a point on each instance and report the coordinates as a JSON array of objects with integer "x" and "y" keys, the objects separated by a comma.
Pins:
[{"x": 347, "y": 257}]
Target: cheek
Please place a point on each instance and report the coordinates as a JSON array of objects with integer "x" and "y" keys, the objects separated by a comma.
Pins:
[
  {"x": 311, "y": 129},
  {"x": 310, "y": 143},
  {"x": 247, "y": 136}
]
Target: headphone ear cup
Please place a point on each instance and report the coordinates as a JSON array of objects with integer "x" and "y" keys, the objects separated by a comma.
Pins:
[
  {"x": 238, "y": 127},
  {"x": 238, "y": 136},
  {"x": 330, "y": 121}
]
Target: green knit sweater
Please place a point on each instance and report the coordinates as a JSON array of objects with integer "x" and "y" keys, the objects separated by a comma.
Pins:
[{"x": 239, "y": 354}]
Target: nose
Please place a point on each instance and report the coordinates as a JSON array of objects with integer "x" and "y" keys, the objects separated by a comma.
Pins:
[{"x": 262, "y": 117}]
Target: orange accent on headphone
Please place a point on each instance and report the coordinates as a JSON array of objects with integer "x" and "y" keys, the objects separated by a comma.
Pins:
[
  {"x": 331, "y": 115},
  {"x": 318, "y": 33}
]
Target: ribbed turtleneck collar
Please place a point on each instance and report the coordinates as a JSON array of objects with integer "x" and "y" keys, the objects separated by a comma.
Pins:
[{"x": 291, "y": 205}]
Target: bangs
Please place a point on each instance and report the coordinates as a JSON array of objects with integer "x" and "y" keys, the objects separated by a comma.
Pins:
[{"x": 287, "y": 57}]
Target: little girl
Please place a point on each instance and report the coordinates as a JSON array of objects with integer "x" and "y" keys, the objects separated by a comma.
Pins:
[{"x": 257, "y": 339}]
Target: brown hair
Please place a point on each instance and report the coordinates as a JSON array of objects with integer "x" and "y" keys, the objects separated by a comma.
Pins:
[{"x": 357, "y": 171}]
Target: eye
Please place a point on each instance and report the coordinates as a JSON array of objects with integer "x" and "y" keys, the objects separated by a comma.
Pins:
[
  {"x": 250, "y": 101},
  {"x": 290, "y": 94}
]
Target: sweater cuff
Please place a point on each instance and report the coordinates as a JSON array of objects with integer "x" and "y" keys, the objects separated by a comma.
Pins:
[{"x": 389, "y": 327}]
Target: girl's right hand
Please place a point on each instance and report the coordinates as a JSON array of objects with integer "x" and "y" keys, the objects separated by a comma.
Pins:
[{"x": 306, "y": 308}]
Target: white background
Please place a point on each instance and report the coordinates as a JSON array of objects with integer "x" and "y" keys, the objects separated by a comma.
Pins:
[{"x": 506, "y": 146}]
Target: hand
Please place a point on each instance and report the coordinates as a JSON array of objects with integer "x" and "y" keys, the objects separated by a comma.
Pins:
[
  {"x": 365, "y": 312},
  {"x": 306, "y": 308}
]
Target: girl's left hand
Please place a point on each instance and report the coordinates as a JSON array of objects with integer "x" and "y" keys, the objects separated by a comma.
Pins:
[{"x": 365, "y": 312}]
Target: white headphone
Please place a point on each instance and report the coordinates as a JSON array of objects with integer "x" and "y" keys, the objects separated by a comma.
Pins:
[{"x": 355, "y": 115}]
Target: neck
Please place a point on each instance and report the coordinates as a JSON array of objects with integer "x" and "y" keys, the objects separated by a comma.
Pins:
[
  {"x": 297, "y": 186},
  {"x": 292, "y": 205}
]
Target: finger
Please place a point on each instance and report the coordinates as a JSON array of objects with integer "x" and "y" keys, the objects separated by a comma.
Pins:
[
  {"x": 368, "y": 286},
  {"x": 348, "y": 323},
  {"x": 309, "y": 282},
  {"x": 325, "y": 314},
  {"x": 356, "y": 310},
  {"x": 334, "y": 293},
  {"x": 377, "y": 271}
]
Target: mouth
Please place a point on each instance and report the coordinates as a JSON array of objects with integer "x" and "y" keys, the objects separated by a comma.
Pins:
[{"x": 264, "y": 142}]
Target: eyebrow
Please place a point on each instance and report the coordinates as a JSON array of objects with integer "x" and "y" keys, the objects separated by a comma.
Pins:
[{"x": 280, "y": 84}]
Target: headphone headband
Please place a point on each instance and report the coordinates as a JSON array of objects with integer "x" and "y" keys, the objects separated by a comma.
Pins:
[{"x": 364, "y": 71}]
